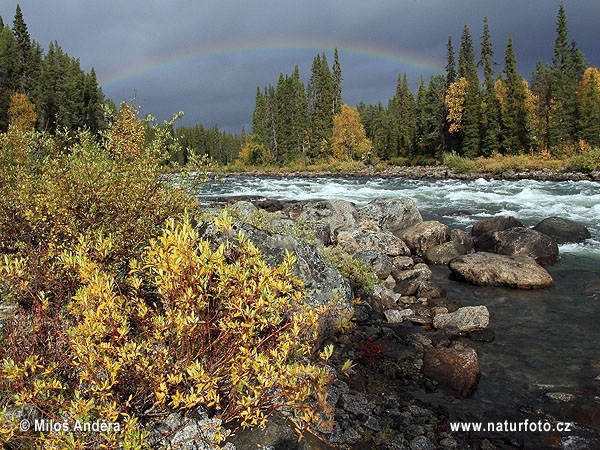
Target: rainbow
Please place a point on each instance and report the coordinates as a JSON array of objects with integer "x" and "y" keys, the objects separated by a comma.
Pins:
[{"x": 393, "y": 55}]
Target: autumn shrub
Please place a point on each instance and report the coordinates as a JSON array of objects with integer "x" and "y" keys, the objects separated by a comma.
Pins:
[
  {"x": 360, "y": 274},
  {"x": 459, "y": 163},
  {"x": 587, "y": 161},
  {"x": 191, "y": 326},
  {"x": 113, "y": 183}
]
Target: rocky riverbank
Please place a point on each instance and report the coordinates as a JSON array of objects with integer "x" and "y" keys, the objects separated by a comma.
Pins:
[
  {"x": 408, "y": 336},
  {"x": 432, "y": 172}
]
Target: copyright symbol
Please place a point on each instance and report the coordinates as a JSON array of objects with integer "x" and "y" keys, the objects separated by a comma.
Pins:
[{"x": 24, "y": 425}]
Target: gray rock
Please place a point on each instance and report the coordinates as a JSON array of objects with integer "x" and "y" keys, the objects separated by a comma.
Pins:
[
  {"x": 383, "y": 298},
  {"x": 403, "y": 262},
  {"x": 424, "y": 235},
  {"x": 500, "y": 270},
  {"x": 520, "y": 241},
  {"x": 335, "y": 214},
  {"x": 563, "y": 230},
  {"x": 444, "y": 253},
  {"x": 197, "y": 435},
  {"x": 356, "y": 404},
  {"x": 421, "y": 443},
  {"x": 243, "y": 210},
  {"x": 381, "y": 263},
  {"x": 391, "y": 214},
  {"x": 353, "y": 241},
  {"x": 397, "y": 316},
  {"x": 409, "y": 281},
  {"x": 8, "y": 309},
  {"x": 373, "y": 424},
  {"x": 465, "y": 319},
  {"x": 455, "y": 368},
  {"x": 323, "y": 283},
  {"x": 497, "y": 223},
  {"x": 449, "y": 443},
  {"x": 351, "y": 436}
]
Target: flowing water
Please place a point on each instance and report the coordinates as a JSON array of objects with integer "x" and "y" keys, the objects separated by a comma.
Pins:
[{"x": 546, "y": 340}]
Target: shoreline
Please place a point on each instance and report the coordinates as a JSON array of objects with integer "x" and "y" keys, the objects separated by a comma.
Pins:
[{"x": 427, "y": 172}]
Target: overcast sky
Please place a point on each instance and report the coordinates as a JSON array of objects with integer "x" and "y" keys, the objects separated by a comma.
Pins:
[{"x": 207, "y": 57}]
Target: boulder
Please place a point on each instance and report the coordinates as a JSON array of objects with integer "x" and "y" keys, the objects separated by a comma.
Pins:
[
  {"x": 501, "y": 270},
  {"x": 403, "y": 263},
  {"x": 424, "y": 235},
  {"x": 562, "y": 230},
  {"x": 408, "y": 281},
  {"x": 323, "y": 283},
  {"x": 462, "y": 238},
  {"x": 243, "y": 210},
  {"x": 332, "y": 214},
  {"x": 430, "y": 290},
  {"x": 353, "y": 241},
  {"x": 391, "y": 214},
  {"x": 444, "y": 253},
  {"x": 381, "y": 264},
  {"x": 497, "y": 223},
  {"x": 455, "y": 368},
  {"x": 520, "y": 241},
  {"x": 467, "y": 318},
  {"x": 397, "y": 316},
  {"x": 383, "y": 298}
]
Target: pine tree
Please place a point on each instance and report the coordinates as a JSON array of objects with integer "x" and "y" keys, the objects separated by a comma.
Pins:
[
  {"x": 260, "y": 118},
  {"x": 23, "y": 51},
  {"x": 431, "y": 118},
  {"x": 451, "y": 64},
  {"x": 470, "y": 143},
  {"x": 562, "y": 127},
  {"x": 490, "y": 108},
  {"x": 272, "y": 121},
  {"x": 320, "y": 101},
  {"x": 515, "y": 132},
  {"x": 541, "y": 80},
  {"x": 299, "y": 115},
  {"x": 337, "y": 84},
  {"x": 8, "y": 71},
  {"x": 588, "y": 99},
  {"x": 402, "y": 120}
]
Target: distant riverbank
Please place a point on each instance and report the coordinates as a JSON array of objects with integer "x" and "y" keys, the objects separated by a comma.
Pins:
[{"x": 426, "y": 172}]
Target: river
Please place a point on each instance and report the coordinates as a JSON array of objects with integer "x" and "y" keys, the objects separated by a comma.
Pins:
[{"x": 547, "y": 340}]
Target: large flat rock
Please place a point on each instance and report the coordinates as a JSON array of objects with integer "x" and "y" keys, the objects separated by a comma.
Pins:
[{"x": 501, "y": 270}]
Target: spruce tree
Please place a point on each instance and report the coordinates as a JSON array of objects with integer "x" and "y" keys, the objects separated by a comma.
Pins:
[
  {"x": 337, "y": 84},
  {"x": 23, "y": 51},
  {"x": 260, "y": 118},
  {"x": 490, "y": 108},
  {"x": 402, "y": 120},
  {"x": 563, "y": 118},
  {"x": 299, "y": 115},
  {"x": 541, "y": 80},
  {"x": 515, "y": 136},
  {"x": 451, "y": 64},
  {"x": 1, "y": 23},
  {"x": 470, "y": 143},
  {"x": 8, "y": 71}
]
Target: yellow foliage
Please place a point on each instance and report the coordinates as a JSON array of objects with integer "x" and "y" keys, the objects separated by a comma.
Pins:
[
  {"x": 223, "y": 330},
  {"x": 455, "y": 101},
  {"x": 21, "y": 112},
  {"x": 349, "y": 140},
  {"x": 589, "y": 87}
]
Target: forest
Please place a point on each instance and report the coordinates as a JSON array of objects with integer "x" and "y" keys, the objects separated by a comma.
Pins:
[{"x": 477, "y": 109}]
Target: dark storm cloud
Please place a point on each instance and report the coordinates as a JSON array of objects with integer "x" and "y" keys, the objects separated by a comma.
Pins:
[{"x": 118, "y": 37}]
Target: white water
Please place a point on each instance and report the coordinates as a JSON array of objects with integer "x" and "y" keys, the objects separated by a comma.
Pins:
[{"x": 529, "y": 201}]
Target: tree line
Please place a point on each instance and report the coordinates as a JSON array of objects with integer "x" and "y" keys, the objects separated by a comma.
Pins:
[
  {"x": 63, "y": 95},
  {"x": 456, "y": 112}
]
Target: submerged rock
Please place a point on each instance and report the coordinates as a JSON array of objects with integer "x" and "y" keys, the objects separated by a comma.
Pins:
[
  {"x": 455, "y": 368},
  {"x": 520, "y": 241},
  {"x": 391, "y": 214},
  {"x": 562, "y": 230},
  {"x": 424, "y": 235},
  {"x": 497, "y": 223},
  {"x": 501, "y": 270}
]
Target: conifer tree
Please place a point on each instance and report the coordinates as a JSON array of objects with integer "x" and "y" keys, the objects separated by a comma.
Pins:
[
  {"x": 451, "y": 64},
  {"x": 541, "y": 80},
  {"x": 562, "y": 125},
  {"x": 260, "y": 118},
  {"x": 402, "y": 120},
  {"x": 1, "y": 23},
  {"x": 272, "y": 121},
  {"x": 299, "y": 115},
  {"x": 490, "y": 108},
  {"x": 431, "y": 118},
  {"x": 337, "y": 84},
  {"x": 23, "y": 51},
  {"x": 8, "y": 71},
  {"x": 470, "y": 142},
  {"x": 515, "y": 132}
]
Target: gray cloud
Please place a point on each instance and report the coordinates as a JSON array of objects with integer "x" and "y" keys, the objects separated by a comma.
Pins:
[{"x": 117, "y": 37}]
